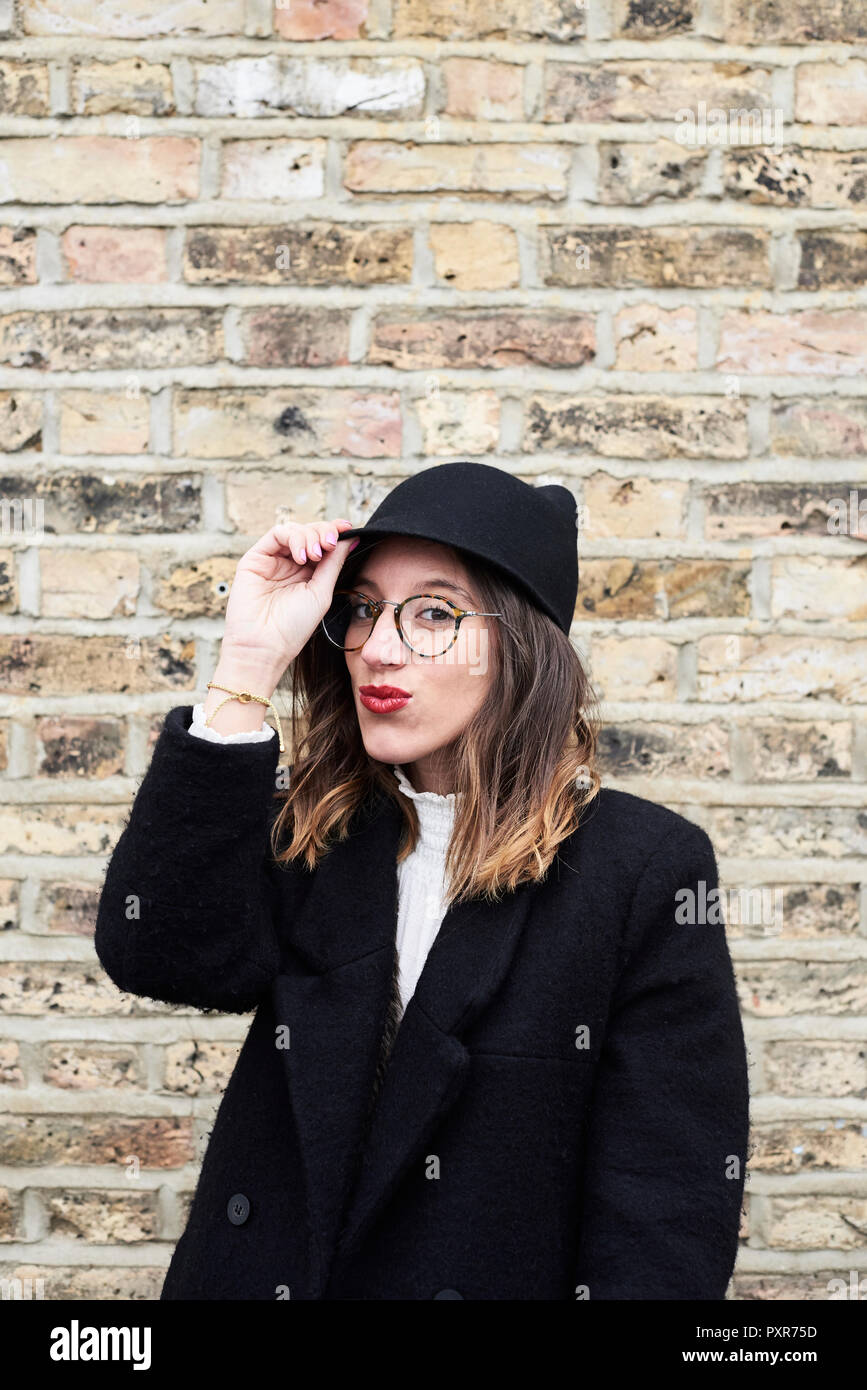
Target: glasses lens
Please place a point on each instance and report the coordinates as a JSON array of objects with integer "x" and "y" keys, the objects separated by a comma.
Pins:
[
  {"x": 428, "y": 624},
  {"x": 349, "y": 621}
]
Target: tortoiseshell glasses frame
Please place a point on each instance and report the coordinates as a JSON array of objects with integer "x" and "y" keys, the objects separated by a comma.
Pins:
[{"x": 378, "y": 605}]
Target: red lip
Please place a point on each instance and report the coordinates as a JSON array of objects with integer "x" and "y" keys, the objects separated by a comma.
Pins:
[{"x": 384, "y": 692}]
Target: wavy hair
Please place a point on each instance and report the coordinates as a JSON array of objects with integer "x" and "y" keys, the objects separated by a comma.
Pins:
[{"x": 525, "y": 763}]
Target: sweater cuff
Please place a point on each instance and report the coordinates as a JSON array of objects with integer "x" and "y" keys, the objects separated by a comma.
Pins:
[{"x": 200, "y": 730}]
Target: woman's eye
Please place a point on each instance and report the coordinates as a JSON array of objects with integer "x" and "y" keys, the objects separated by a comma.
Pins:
[{"x": 444, "y": 614}]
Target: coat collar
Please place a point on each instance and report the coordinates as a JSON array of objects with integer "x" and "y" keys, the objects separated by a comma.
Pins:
[{"x": 335, "y": 1000}]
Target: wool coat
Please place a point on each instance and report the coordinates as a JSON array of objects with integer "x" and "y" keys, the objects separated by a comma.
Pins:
[{"x": 562, "y": 1112}]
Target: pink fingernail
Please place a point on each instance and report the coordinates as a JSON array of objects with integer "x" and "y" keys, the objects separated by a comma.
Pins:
[{"x": 303, "y": 555}]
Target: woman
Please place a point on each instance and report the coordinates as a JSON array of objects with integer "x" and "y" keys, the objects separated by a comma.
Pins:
[{"x": 528, "y": 1084}]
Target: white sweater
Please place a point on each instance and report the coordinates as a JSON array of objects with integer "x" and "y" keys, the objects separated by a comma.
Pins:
[{"x": 421, "y": 876}]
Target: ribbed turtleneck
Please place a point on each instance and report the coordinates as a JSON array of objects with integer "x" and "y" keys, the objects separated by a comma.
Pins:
[{"x": 421, "y": 881}]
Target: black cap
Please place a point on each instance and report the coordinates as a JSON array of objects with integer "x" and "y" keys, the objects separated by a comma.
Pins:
[{"x": 530, "y": 533}]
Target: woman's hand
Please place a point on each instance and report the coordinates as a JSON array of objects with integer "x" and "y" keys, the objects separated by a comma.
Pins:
[{"x": 282, "y": 589}]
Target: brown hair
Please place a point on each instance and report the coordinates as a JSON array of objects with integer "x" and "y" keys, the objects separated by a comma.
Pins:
[{"x": 525, "y": 762}]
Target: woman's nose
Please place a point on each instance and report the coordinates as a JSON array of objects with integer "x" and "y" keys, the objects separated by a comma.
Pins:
[{"x": 384, "y": 643}]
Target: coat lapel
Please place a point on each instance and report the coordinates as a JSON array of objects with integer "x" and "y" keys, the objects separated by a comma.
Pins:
[{"x": 335, "y": 1002}]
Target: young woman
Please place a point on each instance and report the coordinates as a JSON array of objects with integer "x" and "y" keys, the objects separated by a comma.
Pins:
[{"x": 496, "y": 1051}]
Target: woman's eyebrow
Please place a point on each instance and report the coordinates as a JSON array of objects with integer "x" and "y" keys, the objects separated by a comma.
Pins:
[{"x": 424, "y": 585}]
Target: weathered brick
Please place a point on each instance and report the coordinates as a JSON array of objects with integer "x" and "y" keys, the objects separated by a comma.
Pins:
[
  {"x": 784, "y": 988},
  {"x": 256, "y": 500},
  {"x": 89, "y": 583},
  {"x": 481, "y": 338},
  {"x": 10, "y": 1069},
  {"x": 659, "y": 257},
  {"x": 809, "y": 910},
  {"x": 157, "y": 1141},
  {"x": 639, "y": 427},
  {"x": 321, "y": 19},
  {"x": 197, "y": 589},
  {"x": 816, "y": 1068},
  {"x": 832, "y": 260},
  {"x": 103, "y": 422},
  {"x": 18, "y": 256},
  {"x": 649, "y": 338},
  {"x": 808, "y": 1145},
  {"x": 77, "y": 1283},
  {"x": 796, "y": 177},
  {"x": 272, "y": 84},
  {"x": 480, "y": 90},
  {"x": 780, "y": 668},
  {"x": 823, "y": 342},
  {"x": 643, "y": 90},
  {"x": 475, "y": 255},
  {"x": 11, "y": 1215},
  {"x": 125, "y": 504},
  {"x": 76, "y": 1066},
  {"x": 9, "y": 597},
  {"x": 111, "y": 339},
  {"x": 739, "y": 510},
  {"x": 634, "y": 668},
  {"x": 105, "y": 1217},
  {"x": 67, "y": 909},
  {"x": 134, "y": 19},
  {"x": 819, "y": 586},
  {"x": 831, "y": 93},
  {"x": 797, "y": 751},
  {"x": 126, "y": 255},
  {"x": 514, "y": 20},
  {"x": 815, "y": 1223},
  {"x": 798, "y": 21},
  {"x": 300, "y": 253},
  {"x": 83, "y": 745},
  {"x": 634, "y": 507},
  {"x": 196, "y": 1068},
  {"x": 652, "y": 19},
  {"x": 130, "y": 85},
  {"x": 665, "y": 750},
  {"x": 66, "y": 988},
  {"x": 289, "y": 420},
  {"x": 458, "y": 422},
  {"x": 100, "y": 169},
  {"x": 56, "y": 664},
  {"x": 10, "y": 890},
  {"x": 632, "y": 589},
  {"x": 24, "y": 88},
  {"x": 281, "y": 335},
  {"x": 21, "y": 423},
  {"x": 807, "y": 832},
  {"x": 639, "y": 173},
  {"x": 284, "y": 169},
  {"x": 819, "y": 428},
  {"x": 520, "y": 172}
]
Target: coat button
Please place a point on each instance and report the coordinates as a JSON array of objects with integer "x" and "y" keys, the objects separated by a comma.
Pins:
[
  {"x": 449, "y": 1293},
  {"x": 238, "y": 1209}
]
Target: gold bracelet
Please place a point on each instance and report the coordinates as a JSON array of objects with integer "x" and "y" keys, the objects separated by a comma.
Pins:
[{"x": 245, "y": 697}]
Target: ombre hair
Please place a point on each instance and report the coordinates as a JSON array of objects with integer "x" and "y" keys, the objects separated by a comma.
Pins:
[{"x": 525, "y": 762}]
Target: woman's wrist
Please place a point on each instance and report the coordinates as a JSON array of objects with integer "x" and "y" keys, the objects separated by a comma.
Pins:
[{"x": 258, "y": 674}]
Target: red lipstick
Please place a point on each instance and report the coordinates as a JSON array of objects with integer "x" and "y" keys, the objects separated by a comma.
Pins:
[{"x": 383, "y": 699}]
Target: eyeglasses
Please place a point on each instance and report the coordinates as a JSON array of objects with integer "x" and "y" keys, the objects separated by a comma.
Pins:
[{"x": 427, "y": 623}]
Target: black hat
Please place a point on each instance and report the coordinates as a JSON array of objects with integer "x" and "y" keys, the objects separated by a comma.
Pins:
[{"x": 530, "y": 533}]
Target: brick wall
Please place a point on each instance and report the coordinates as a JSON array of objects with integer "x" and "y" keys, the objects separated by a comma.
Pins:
[{"x": 261, "y": 259}]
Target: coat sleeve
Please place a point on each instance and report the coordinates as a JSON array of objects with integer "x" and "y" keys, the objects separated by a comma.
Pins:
[
  {"x": 185, "y": 912},
  {"x": 669, "y": 1127}
]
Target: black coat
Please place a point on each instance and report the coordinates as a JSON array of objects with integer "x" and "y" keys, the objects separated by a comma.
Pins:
[{"x": 500, "y": 1159}]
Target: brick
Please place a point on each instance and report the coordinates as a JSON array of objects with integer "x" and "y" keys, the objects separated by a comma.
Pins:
[
  {"x": 634, "y": 174},
  {"x": 130, "y": 85},
  {"x": 756, "y": 832},
  {"x": 256, "y": 500},
  {"x": 79, "y": 745},
  {"x": 157, "y": 1141},
  {"x": 11, "y": 1215},
  {"x": 21, "y": 421},
  {"x": 739, "y": 510},
  {"x": 498, "y": 337},
  {"x": 634, "y": 668},
  {"x": 115, "y": 255},
  {"x": 479, "y": 90},
  {"x": 111, "y": 339},
  {"x": 103, "y": 422},
  {"x": 288, "y": 335},
  {"x": 780, "y": 668},
  {"x": 767, "y": 21},
  {"x": 289, "y": 420},
  {"x": 73, "y": 1066},
  {"x": 284, "y": 169},
  {"x": 99, "y": 169},
  {"x": 819, "y": 587},
  {"x": 514, "y": 20},
  {"x": 823, "y": 342},
  {"x": 638, "y": 427},
  {"x": 815, "y": 1223},
  {"x": 831, "y": 93},
  {"x": 134, "y": 19},
  {"x": 475, "y": 255},
  {"x": 832, "y": 260},
  {"x": 24, "y": 89},
  {"x": 9, "y": 598},
  {"x": 521, "y": 172},
  {"x": 809, "y": 910},
  {"x": 272, "y": 84},
  {"x": 649, "y": 338},
  {"x": 457, "y": 422},
  {"x": 9, "y": 897},
  {"x": 665, "y": 750},
  {"x": 300, "y": 253},
  {"x": 65, "y": 988},
  {"x": 103, "y": 1217},
  {"x": 631, "y": 589},
  {"x": 198, "y": 589},
  {"x": 785, "y": 988},
  {"x": 816, "y": 1068},
  {"x": 797, "y": 751},
  {"x": 56, "y": 664},
  {"x": 67, "y": 908},
  {"x": 826, "y": 427},
  {"x": 116, "y": 505},
  {"x": 10, "y": 1070},
  {"x": 769, "y": 1288},
  {"x": 195, "y": 1068},
  {"x": 18, "y": 256},
  {"x": 321, "y": 19},
  {"x": 796, "y": 177},
  {"x": 75, "y": 1283},
  {"x": 634, "y": 507},
  {"x": 652, "y": 19},
  {"x": 808, "y": 1145},
  {"x": 658, "y": 257},
  {"x": 642, "y": 90}
]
